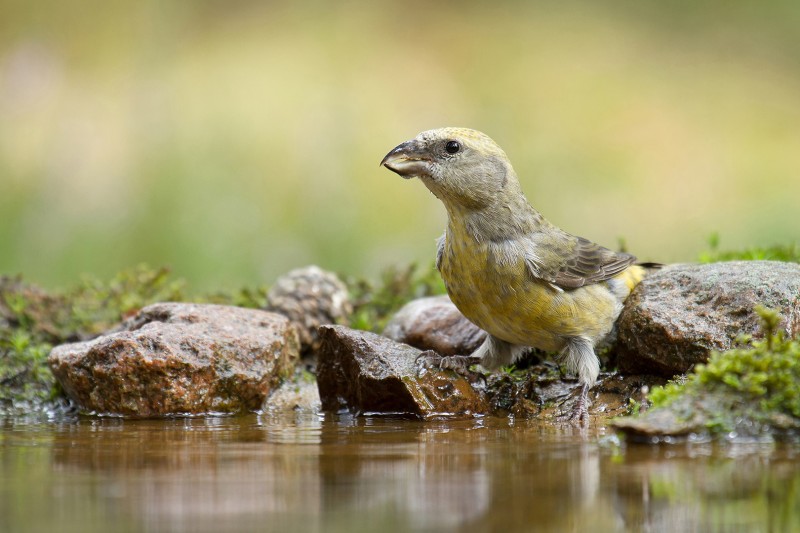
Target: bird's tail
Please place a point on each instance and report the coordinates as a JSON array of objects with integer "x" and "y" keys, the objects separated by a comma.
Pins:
[
  {"x": 650, "y": 266},
  {"x": 623, "y": 283},
  {"x": 632, "y": 275}
]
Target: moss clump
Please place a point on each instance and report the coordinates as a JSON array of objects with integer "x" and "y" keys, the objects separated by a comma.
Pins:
[
  {"x": 756, "y": 385},
  {"x": 249, "y": 297},
  {"x": 25, "y": 379},
  {"x": 84, "y": 311},
  {"x": 374, "y": 305},
  {"x": 783, "y": 252}
]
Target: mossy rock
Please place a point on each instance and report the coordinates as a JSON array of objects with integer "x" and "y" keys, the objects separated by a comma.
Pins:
[{"x": 752, "y": 391}]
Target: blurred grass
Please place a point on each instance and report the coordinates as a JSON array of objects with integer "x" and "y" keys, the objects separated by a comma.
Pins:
[{"x": 236, "y": 141}]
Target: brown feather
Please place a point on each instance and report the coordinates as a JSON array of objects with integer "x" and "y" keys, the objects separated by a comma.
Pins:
[
  {"x": 591, "y": 263},
  {"x": 581, "y": 262}
]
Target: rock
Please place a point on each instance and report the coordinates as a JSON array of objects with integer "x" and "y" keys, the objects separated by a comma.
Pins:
[
  {"x": 540, "y": 392},
  {"x": 676, "y": 316},
  {"x": 310, "y": 297},
  {"x": 749, "y": 392},
  {"x": 660, "y": 424},
  {"x": 299, "y": 394},
  {"x": 173, "y": 358},
  {"x": 434, "y": 323},
  {"x": 709, "y": 414},
  {"x": 363, "y": 372}
]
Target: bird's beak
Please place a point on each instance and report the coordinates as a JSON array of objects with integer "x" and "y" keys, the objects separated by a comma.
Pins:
[{"x": 408, "y": 160}]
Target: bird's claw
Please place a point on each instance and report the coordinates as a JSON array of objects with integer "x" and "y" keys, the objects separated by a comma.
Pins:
[{"x": 579, "y": 414}]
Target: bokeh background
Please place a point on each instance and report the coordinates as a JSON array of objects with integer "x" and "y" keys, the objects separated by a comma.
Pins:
[{"x": 233, "y": 141}]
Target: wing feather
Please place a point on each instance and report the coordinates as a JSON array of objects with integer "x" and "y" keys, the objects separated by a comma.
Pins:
[{"x": 570, "y": 262}]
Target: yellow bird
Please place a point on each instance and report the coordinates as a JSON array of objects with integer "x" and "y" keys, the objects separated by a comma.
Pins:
[{"x": 524, "y": 281}]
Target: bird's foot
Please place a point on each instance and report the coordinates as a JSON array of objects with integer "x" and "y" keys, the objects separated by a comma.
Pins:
[
  {"x": 579, "y": 414},
  {"x": 458, "y": 363}
]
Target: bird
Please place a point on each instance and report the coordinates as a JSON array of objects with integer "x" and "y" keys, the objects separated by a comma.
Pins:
[{"x": 520, "y": 278}]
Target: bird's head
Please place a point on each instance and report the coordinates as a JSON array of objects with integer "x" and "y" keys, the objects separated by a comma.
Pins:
[{"x": 460, "y": 166}]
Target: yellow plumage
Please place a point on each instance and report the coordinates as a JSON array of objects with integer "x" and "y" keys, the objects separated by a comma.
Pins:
[{"x": 506, "y": 268}]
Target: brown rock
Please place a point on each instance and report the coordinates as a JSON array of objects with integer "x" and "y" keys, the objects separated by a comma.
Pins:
[
  {"x": 173, "y": 358},
  {"x": 310, "y": 297},
  {"x": 434, "y": 323},
  {"x": 679, "y": 314},
  {"x": 365, "y": 373}
]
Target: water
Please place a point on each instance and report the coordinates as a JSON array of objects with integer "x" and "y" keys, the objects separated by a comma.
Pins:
[{"x": 312, "y": 473}]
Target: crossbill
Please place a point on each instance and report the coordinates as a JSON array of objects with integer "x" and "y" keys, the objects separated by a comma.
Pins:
[{"x": 524, "y": 281}]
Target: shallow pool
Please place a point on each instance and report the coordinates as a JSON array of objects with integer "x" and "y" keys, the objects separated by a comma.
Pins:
[{"x": 313, "y": 473}]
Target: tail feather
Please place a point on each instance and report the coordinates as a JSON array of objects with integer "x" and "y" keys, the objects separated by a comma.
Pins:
[{"x": 653, "y": 266}]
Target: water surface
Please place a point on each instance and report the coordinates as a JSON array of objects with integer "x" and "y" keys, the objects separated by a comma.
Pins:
[{"x": 314, "y": 473}]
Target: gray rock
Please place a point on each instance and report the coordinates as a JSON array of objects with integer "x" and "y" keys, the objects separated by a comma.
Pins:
[
  {"x": 676, "y": 316},
  {"x": 702, "y": 415},
  {"x": 173, "y": 358},
  {"x": 310, "y": 297},
  {"x": 362, "y": 372},
  {"x": 434, "y": 323},
  {"x": 298, "y": 395}
]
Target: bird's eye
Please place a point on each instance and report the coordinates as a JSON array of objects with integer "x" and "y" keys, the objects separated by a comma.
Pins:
[{"x": 452, "y": 147}]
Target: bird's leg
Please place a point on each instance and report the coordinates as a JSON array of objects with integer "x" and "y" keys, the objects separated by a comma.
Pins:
[
  {"x": 579, "y": 357},
  {"x": 458, "y": 363}
]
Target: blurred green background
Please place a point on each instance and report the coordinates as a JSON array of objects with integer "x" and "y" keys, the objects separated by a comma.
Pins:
[{"x": 233, "y": 141}]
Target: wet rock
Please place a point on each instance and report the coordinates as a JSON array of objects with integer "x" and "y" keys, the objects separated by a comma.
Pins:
[
  {"x": 173, "y": 358},
  {"x": 678, "y": 315},
  {"x": 364, "y": 373},
  {"x": 711, "y": 414},
  {"x": 661, "y": 423},
  {"x": 434, "y": 323},
  {"x": 310, "y": 297},
  {"x": 299, "y": 394},
  {"x": 748, "y": 392},
  {"x": 541, "y": 392}
]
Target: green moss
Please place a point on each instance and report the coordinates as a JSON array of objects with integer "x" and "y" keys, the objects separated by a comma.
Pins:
[
  {"x": 249, "y": 297},
  {"x": 88, "y": 309},
  {"x": 25, "y": 377},
  {"x": 374, "y": 305},
  {"x": 756, "y": 381},
  {"x": 633, "y": 407},
  {"x": 97, "y": 305},
  {"x": 782, "y": 252}
]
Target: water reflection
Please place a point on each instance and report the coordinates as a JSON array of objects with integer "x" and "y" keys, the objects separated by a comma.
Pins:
[{"x": 310, "y": 473}]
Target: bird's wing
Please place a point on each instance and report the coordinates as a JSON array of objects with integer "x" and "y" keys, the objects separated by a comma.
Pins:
[
  {"x": 568, "y": 262},
  {"x": 440, "y": 250}
]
